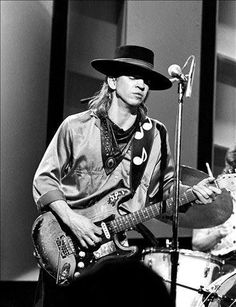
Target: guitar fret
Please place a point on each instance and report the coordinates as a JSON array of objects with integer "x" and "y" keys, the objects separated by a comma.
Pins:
[
  {"x": 143, "y": 213},
  {"x": 152, "y": 212},
  {"x": 156, "y": 210},
  {"x": 120, "y": 224},
  {"x": 190, "y": 196},
  {"x": 187, "y": 197},
  {"x": 148, "y": 213},
  {"x": 130, "y": 220},
  {"x": 138, "y": 215}
]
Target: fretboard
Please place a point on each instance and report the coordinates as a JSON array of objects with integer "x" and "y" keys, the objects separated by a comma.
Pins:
[{"x": 130, "y": 220}]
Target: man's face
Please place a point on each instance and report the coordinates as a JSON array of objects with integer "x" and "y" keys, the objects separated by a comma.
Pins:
[{"x": 131, "y": 89}]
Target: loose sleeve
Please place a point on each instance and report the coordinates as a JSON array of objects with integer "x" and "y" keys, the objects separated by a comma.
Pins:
[{"x": 47, "y": 179}]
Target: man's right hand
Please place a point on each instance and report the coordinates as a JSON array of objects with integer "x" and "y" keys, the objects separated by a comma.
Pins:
[{"x": 84, "y": 229}]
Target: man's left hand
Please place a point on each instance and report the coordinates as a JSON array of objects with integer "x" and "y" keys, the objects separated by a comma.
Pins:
[{"x": 205, "y": 191}]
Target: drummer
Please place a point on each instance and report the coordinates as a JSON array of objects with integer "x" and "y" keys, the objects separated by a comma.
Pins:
[{"x": 221, "y": 240}]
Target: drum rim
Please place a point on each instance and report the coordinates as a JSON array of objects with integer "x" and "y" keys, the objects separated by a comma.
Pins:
[
  {"x": 187, "y": 252},
  {"x": 222, "y": 279},
  {"x": 215, "y": 286}
]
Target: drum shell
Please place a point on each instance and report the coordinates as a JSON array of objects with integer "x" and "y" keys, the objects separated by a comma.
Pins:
[{"x": 195, "y": 270}]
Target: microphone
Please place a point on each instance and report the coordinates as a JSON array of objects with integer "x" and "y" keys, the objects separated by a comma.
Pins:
[{"x": 176, "y": 72}]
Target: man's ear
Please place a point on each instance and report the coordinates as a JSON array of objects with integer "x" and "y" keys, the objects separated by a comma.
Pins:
[{"x": 111, "y": 81}]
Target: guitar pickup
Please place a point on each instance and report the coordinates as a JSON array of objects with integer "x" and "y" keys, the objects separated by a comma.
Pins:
[{"x": 105, "y": 230}]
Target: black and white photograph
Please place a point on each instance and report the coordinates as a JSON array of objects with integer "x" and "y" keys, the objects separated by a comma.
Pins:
[{"x": 118, "y": 153}]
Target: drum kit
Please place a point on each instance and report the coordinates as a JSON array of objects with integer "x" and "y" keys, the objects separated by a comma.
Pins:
[
  {"x": 197, "y": 282},
  {"x": 200, "y": 281}
]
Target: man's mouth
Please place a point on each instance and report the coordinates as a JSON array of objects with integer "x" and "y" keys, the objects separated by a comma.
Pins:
[{"x": 138, "y": 95}]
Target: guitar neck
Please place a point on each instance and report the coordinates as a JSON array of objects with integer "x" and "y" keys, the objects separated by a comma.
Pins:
[{"x": 130, "y": 220}]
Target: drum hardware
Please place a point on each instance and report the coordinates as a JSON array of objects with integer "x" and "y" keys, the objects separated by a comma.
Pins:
[
  {"x": 200, "y": 290},
  {"x": 213, "y": 296},
  {"x": 210, "y": 296},
  {"x": 220, "y": 293},
  {"x": 207, "y": 270},
  {"x": 168, "y": 243},
  {"x": 189, "y": 289}
]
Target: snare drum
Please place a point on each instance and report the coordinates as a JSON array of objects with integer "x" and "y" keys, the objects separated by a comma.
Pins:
[
  {"x": 195, "y": 270},
  {"x": 220, "y": 293}
]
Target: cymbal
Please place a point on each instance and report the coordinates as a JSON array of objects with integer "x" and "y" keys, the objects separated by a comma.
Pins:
[
  {"x": 209, "y": 215},
  {"x": 200, "y": 215},
  {"x": 190, "y": 175}
]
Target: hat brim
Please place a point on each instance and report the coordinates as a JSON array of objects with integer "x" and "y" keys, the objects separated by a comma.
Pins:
[{"x": 115, "y": 68}]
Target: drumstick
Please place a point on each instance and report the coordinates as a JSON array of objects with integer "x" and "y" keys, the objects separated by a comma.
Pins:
[
  {"x": 210, "y": 173},
  {"x": 209, "y": 170}
]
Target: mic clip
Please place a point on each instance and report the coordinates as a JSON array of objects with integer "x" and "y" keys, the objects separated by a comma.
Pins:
[{"x": 186, "y": 81}]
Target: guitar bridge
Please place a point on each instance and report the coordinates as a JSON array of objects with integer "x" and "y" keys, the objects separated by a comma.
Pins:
[{"x": 65, "y": 246}]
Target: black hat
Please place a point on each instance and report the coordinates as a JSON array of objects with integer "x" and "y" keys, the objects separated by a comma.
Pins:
[{"x": 133, "y": 60}]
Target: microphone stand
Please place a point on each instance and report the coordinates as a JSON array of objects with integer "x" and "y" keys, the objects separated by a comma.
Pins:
[{"x": 174, "y": 253}]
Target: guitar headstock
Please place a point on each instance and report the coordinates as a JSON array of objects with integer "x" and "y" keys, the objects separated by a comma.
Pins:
[{"x": 227, "y": 181}]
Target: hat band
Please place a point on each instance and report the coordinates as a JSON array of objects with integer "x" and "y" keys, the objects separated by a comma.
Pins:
[{"x": 135, "y": 61}]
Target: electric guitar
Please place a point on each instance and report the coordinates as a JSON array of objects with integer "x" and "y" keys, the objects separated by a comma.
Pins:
[{"x": 58, "y": 251}]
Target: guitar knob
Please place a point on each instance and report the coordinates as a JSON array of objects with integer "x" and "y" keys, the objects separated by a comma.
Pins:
[
  {"x": 82, "y": 254},
  {"x": 77, "y": 274},
  {"x": 80, "y": 265}
]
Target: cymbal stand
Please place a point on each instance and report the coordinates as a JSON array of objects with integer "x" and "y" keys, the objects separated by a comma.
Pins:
[{"x": 175, "y": 224}]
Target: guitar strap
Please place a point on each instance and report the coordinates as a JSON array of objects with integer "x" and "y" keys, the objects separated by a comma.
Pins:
[
  {"x": 159, "y": 196},
  {"x": 111, "y": 153},
  {"x": 142, "y": 145},
  {"x": 140, "y": 151}
]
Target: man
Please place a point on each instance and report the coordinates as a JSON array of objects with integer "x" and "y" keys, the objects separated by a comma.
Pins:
[
  {"x": 221, "y": 240},
  {"x": 113, "y": 145}
]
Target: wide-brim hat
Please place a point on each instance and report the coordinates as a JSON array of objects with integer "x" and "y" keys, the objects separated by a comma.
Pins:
[{"x": 133, "y": 60}]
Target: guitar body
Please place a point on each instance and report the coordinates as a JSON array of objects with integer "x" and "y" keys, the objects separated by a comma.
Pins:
[
  {"x": 47, "y": 234},
  {"x": 58, "y": 251}
]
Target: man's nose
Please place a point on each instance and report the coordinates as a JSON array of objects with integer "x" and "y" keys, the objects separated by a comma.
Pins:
[{"x": 140, "y": 83}]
